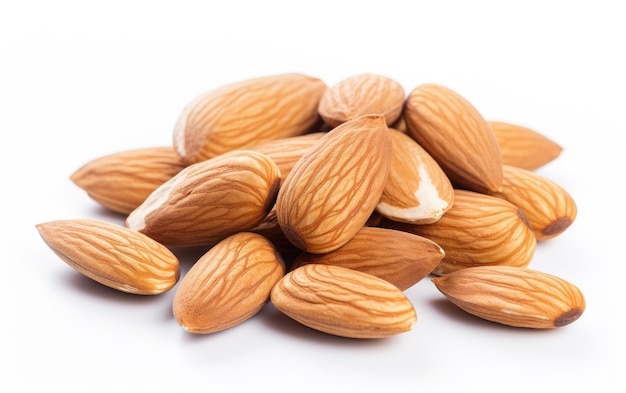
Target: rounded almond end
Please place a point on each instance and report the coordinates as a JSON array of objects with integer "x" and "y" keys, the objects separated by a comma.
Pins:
[{"x": 568, "y": 317}]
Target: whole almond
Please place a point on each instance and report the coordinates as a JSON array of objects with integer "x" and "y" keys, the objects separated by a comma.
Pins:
[
  {"x": 228, "y": 285},
  {"x": 334, "y": 187},
  {"x": 549, "y": 208},
  {"x": 246, "y": 113},
  {"x": 456, "y": 135},
  {"x": 417, "y": 189},
  {"x": 362, "y": 94},
  {"x": 478, "y": 230},
  {"x": 113, "y": 255},
  {"x": 514, "y": 296},
  {"x": 399, "y": 257},
  {"x": 343, "y": 302},
  {"x": 524, "y": 147},
  {"x": 208, "y": 201},
  {"x": 122, "y": 181},
  {"x": 287, "y": 151}
]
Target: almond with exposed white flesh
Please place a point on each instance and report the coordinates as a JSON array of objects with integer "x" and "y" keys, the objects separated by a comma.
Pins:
[
  {"x": 228, "y": 285},
  {"x": 343, "y": 302},
  {"x": 514, "y": 296},
  {"x": 113, "y": 255},
  {"x": 208, "y": 201}
]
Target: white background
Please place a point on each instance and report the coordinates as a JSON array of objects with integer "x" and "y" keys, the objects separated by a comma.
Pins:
[{"x": 79, "y": 80}]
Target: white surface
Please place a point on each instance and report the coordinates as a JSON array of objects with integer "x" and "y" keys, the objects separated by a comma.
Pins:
[{"x": 78, "y": 81}]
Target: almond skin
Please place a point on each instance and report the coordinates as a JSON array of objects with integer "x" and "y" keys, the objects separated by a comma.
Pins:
[
  {"x": 334, "y": 187},
  {"x": 399, "y": 257},
  {"x": 549, "y": 208},
  {"x": 208, "y": 201},
  {"x": 113, "y": 255},
  {"x": 287, "y": 151},
  {"x": 343, "y": 302},
  {"x": 514, "y": 296},
  {"x": 524, "y": 147},
  {"x": 227, "y": 285},
  {"x": 478, "y": 230},
  {"x": 362, "y": 94},
  {"x": 456, "y": 135},
  {"x": 246, "y": 113},
  {"x": 417, "y": 189},
  {"x": 122, "y": 181}
]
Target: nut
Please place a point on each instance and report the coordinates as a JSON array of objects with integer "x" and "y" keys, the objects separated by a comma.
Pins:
[
  {"x": 122, "y": 181},
  {"x": 113, "y": 255},
  {"x": 334, "y": 187},
  {"x": 208, "y": 201},
  {"x": 513, "y": 296},
  {"x": 246, "y": 113},
  {"x": 343, "y": 302},
  {"x": 456, "y": 135},
  {"x": 399, "y": 257},
  {"x": 359, "y": 95},
  {"x": 417, "y": 189},
  {"x": 229, "y": 284}
]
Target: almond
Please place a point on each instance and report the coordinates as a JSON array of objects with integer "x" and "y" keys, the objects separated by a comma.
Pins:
[
  {"x": 478, "y": 230},
  {"x": 343, "y": 302},
  {"x": 122, "y": 181},
  {"x": 287, "y": 151},
  {"x": 524, "y": 147},
  {"x": 228, "y": 285},
  {"x": 456, "y": 135},
  {"x": 362, "y": 94},
  {"x": 549, "y": 208},
  {"x": 246, "y": 113},
  {"x": 417, "y": 189},
  {"x": 514, "y": 296},
  {"x": 208, "y": 201},
  {"x": 270, "y": 228},
  {"x": 334, "y": 187},
  {"x": 113, "y": 255},
  {"x": 399, "y": 257}
]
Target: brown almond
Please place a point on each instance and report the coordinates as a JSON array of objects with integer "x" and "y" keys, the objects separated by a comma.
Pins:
[
  {"x": 417, "y": 189},
  {"x": 246, "y": 113},
  {"x": 113, "y": 255},
  {"x": 456, "y": 135},
  {"x": 524, "y": 147},
  {"x": 122, "y": 181},
  {"x": 343, "y": 302},
  {"x": 228, "y": 285},
  {"x": 399, "y": 257},
  {"x": 549, "y": 208},
  {"x": 514, "y": 296},
  {"x": 478, "y": 230},
  {"x": 334, "y": 187},
  {"x": 362, "y": 94},
  {"x": 208, "y": 201}
]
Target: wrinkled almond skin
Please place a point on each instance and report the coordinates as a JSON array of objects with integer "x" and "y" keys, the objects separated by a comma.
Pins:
[
  {"x": 113, "y": 255},
  {"x": 208, "y": 201},
  {"x": 514, "y": 296},
  {"x": 246, "y": 113},
  {"x": 122, "y": 181},
  {"x": 417, "y": 190},
  {"x": 523, "y": 147},
  {"x": 335, "y": 186},
  {"x": 478, "y": 230},
  {"x": 343, "y": 302},
  {"x": 287, "y": 151},
  {"x": 227, "y": 285},
  {"x": 456, "y": 135},
  {"x": 362, "y": 94},
  {"x": 549, "y": 208},
  {"x": 398, "y": 257}
]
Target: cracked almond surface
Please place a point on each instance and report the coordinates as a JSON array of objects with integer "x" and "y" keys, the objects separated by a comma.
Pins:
[{"x": 514, "y": 296}]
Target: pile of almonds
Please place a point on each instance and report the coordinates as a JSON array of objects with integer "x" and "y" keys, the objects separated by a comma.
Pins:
[{"x": 330, "y": 202}]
